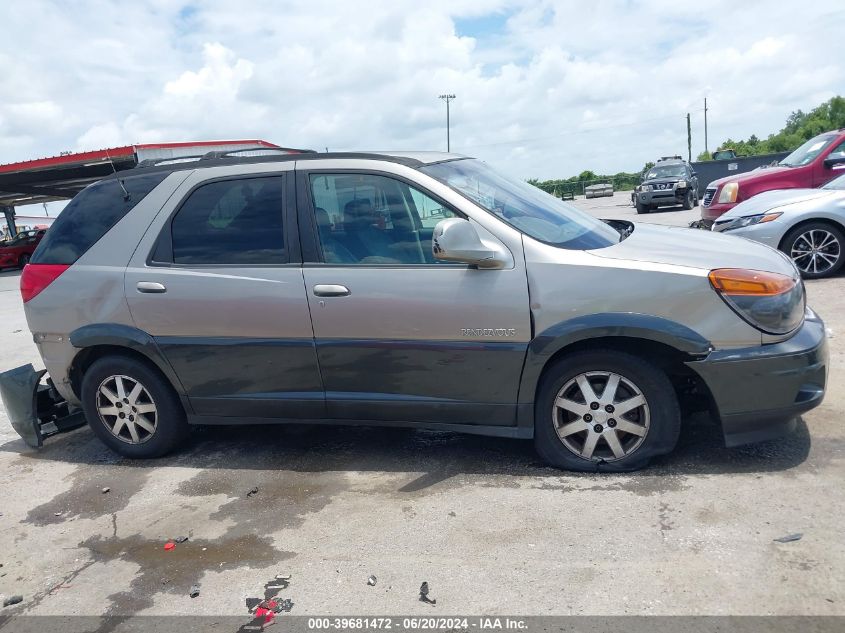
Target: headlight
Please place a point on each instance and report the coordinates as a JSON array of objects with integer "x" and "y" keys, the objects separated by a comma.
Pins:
[
  {"x": 729, "y": 192},
  {"x": 681, "y": 184},
  {"x": 646, "y": 187},
  {"x": 750, "y": 220},
  {"x": 771, "y": 302}
]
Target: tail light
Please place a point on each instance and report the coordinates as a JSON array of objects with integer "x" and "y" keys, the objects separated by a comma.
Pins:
[{"x": 36, "y": 277}]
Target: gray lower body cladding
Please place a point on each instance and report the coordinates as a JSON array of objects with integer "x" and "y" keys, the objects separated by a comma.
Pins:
[{"x": 758, "y": 392}]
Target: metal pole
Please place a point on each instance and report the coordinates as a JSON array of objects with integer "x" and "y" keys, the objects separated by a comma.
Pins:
[
  {"x": 706, "y": 150},
  {"x": 447, "y": 98},
  {"x": 9, "y": 212},
  {"x": 689, "y": 140}
]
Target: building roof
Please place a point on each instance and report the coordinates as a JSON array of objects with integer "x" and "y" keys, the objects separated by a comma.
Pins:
[{"x": 62, "y": 177}]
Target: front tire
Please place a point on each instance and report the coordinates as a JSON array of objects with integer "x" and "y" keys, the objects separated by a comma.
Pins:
[
  {"x": 604, "y": 411},
  {"x": 132, "y": 408},
  {"x": 642, "y": 208},
  {"x": 23, "y": 260},
  {"x": 816, "y": 249},
  {"x": 689, "y": 200}
]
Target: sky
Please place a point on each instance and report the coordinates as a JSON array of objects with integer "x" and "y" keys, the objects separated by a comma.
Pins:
[{"x": 543, "y": 89}]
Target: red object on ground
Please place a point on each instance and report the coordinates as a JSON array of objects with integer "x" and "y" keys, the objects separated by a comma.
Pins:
[{"x": 169, "y": 545}]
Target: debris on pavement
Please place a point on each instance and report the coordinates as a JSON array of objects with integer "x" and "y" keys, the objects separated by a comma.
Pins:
[
  {"x": 170, "y": 545},
  {"x": 181, "y": 539},
  {"x": 57, "y": 514},
  {"x": 372, "y": 580},
  {"x": 252, "y": 492},
  {"x": 789, "y": 538},
  {"x": 8, "y": 602},
  {"x": 195, "y": 591},
  {"x": 264, "y": 610},
  {"x": 106, "y": 489},
  {"x": 424, "y": 594}
]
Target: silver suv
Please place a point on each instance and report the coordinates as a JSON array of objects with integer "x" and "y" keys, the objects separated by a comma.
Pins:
[{"x": 408, "y": 289}]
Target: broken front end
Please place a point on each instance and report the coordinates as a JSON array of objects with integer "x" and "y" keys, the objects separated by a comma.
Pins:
[{"x": 35, "y": 409}]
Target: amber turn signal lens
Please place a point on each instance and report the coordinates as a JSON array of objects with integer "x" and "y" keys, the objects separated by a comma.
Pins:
[{"x": 756, "y": 283}]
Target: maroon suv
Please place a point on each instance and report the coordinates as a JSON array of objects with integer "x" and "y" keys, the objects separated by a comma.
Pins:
[
  {"x": 817, "y": 161},
  {"x": 18, "y": 250}
]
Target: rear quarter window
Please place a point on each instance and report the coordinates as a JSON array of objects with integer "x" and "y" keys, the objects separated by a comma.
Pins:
[{"x": 90, "y": 215}]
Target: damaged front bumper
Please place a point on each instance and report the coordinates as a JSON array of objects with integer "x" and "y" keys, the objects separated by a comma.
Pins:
[{"x": 35, "y": 409}]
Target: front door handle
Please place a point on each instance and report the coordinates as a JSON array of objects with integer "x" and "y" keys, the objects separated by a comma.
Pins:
[
  {"x": 331, "y": 290},
  {"x": 150, "y": 287}
]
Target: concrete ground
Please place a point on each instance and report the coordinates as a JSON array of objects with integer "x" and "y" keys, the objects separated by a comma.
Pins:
[{"x": 490, "y": 528}]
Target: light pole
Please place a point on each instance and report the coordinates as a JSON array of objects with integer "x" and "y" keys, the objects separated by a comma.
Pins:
[{"x": 447, "y": 98}]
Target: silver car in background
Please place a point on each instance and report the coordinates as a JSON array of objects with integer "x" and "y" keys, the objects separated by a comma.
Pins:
[{"x": 806, "y": 224}]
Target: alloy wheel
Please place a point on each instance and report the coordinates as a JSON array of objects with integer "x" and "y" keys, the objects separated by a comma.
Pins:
[
  {"x": 816, "y": 251},
  {"x": 127, "y": 409},
  {"x": 601, "y": 416}
]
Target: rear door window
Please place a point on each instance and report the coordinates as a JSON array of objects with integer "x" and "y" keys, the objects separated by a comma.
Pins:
[
  {"x": 235, "y": 221},
  {"x": 90, "y": 215}
]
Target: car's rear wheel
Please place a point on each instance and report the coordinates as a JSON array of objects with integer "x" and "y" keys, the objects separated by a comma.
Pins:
[
  {"x": 23, "y": 260},
  {"x": 689, "y": 200},
  {"x": 605, "y": 411},
  {"x": 816, "y": 249},
  {"x": 132, "y": 408}
]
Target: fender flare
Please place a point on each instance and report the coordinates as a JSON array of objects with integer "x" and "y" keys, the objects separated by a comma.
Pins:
[
  {"x": 610, "y": 324},
  {"x": 117, "y": 335}
]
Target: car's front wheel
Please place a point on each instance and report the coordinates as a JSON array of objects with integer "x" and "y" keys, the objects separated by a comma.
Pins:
[
  {"x": 23, "y": 260},
  {"x": 605, "y": 410},
  {"x": 816, "y": 249},
  {"x": 689, "y": 200},
  {"x": 132, "y": 408},
  {"x": 642, "y": 208}
]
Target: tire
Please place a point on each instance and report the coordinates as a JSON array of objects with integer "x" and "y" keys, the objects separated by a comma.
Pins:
[
  {"x": 166, "y": 418},
  {"x": 642, "y": 208},
  {"x": 819, "y": 264},
  {"x": 23, "y": 260},
  {"x": 656, "y": 423},
  {"x": 689, "y": 200}
]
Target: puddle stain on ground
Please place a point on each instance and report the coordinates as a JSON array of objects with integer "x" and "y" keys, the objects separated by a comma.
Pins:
[
  {"x": 175, "y": 571},
  {"x": 85, "y": 498}
]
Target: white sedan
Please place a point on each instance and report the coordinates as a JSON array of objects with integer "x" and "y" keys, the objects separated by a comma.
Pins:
[{"x": 806, "y": 224}]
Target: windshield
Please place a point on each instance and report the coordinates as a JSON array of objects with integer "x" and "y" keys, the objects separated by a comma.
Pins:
[
  {"x": 666, "y": 171},
  {"x": 836, "y": 183},
  {"x": 525, "y": 207},
  {"x": 19, "y": 238},
  {"x": 808, "y": 151}
]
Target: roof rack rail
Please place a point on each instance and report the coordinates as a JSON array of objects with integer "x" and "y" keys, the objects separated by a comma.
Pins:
[
  {"x": 230, "y": 152},
  {"x": 675, "y": 157},
  {"x": 152, "y": 162}
]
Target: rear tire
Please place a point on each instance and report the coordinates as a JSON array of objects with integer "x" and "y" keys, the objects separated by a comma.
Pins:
[
  {"x": 610, "y": 439},
  {"x": 23, "y": 260},
  {"x": 132, "y": 408},
  {"x": 826, "y": 238}
]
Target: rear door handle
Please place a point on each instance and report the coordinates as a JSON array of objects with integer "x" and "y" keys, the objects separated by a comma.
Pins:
[
  {"x": 150, "y": 287},
  {"x": 331, "y": 290}
]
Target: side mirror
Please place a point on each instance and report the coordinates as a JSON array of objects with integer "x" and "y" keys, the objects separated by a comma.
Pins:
[
  {"x": 834, "y": 159},
  {"x": 456, "y": 240}
]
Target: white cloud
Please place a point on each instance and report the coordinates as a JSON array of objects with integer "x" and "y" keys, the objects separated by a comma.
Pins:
[{"x": 544, "y": 89}]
